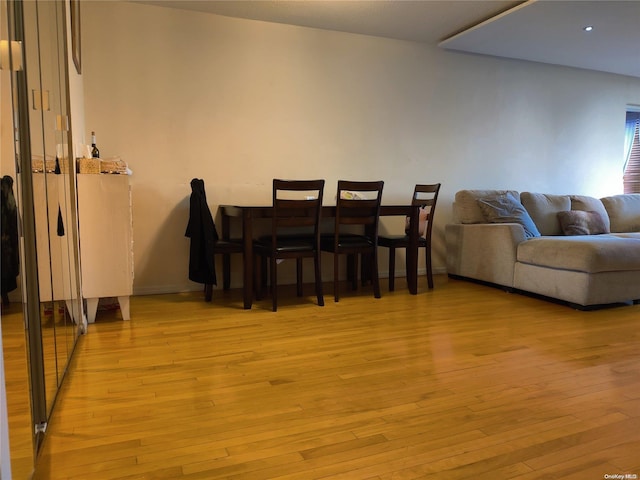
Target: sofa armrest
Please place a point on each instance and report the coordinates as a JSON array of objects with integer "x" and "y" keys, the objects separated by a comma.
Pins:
[{"x": 485, "y": 252}]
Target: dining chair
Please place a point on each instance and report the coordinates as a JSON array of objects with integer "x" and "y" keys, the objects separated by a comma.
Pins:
[
  {"x": 297, "y": 207},
  {"x": 224, "y": 248},
  {"x": 357, "y": 203},
  {"x": 420, "y": 225},
  {"x": 205, "y": 243}
]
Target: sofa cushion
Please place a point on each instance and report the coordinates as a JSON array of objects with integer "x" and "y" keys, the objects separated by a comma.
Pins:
[
  {"x": 591, "y": 204},
  {"x": 466, "y": 208},
  {"x": 627, "y": 235},
  {"x": 624, "y": 212},
  {"x": 544, "y": 209},
  {"x": 505, "y": 208},
  {"x": 578, "y": 222},
  {"x": 592, "y": 254}
]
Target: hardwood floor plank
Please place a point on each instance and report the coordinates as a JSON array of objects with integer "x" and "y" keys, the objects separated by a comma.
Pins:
[{"x": 463, "y": 381}]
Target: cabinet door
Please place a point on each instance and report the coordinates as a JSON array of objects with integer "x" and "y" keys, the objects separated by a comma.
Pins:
[
  {"x": 56, "y": 269},
  {"x": 104, "y": 214}
]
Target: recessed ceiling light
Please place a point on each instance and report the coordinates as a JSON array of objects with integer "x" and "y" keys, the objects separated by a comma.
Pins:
[{"x": 588, "y": 28}]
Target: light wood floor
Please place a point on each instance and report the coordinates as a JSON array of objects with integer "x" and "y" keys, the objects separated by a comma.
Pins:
[
  {"x": 17, "y": 388},
  {"x": 462, "y": 382}
]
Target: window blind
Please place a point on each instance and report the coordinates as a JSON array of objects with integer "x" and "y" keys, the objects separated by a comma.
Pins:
[{"x": 631, "y": 177}]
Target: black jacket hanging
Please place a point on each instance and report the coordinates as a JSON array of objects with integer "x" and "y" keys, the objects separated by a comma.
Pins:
[
  {"x": 10, "y": 257},
  {"x": 202, "y": 232}
]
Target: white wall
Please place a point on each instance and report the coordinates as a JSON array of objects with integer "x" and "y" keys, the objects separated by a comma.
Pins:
[
  {"x": 237, "y": 102},
  {"x": 76, "y": 97}
]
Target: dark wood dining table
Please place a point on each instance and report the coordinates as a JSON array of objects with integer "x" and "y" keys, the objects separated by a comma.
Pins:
[{"x": 247, "y": 213}]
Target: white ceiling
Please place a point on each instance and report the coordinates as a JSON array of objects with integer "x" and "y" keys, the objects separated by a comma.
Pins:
[
  {"x": 551, "y": 31},
  {"x": 548, "y": 31}
]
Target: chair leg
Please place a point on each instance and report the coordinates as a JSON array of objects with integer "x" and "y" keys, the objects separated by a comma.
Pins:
[
  {"x": 428, "y": 262},
  {"x": 208, "y": 292},
  {"x": 392, "y": 269},
  {"x": 336, "y": 264},
  {"x": 319, "y": 295},
  {"x": 264, "y": 275},
  {"x": 258, "y": 276},
  {"x": 274, "y": 284},
  {"x": 374, "y": 275},
  {"x": 226, "y": 271},
  {"x": 299, "y": 276}
]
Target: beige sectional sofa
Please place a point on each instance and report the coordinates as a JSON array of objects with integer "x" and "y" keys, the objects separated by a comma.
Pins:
[{"x": 578, "y": 249}]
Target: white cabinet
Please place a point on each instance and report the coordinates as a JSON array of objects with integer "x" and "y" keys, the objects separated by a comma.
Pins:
[{"x": 106, "y": 240}]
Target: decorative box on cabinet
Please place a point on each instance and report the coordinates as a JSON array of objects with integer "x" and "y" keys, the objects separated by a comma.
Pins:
[{"x": 106, "y": 240}]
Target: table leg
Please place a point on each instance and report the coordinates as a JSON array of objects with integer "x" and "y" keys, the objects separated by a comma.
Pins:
[
  {"x": 247, "y": 241},
  {"x": 226, "y": 258},
  {"x": 412, "y": 254}
]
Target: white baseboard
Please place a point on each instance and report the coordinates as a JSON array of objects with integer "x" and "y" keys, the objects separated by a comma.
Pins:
[{"x": 196, "y": 287}]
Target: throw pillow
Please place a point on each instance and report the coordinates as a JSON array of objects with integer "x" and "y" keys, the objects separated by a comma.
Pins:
[
  {"x": 580, "y": 222},
  {"x": 590, "y": 204},
  {"x": 623, "y": 211},
  {"x": 543, "y": 209},
  {"x": 505, "y": 208},
  {"x": 422, "y": 223},
  {"x": 465, "y": 205}
]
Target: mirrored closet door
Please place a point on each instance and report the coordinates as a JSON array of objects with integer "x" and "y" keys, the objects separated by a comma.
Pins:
[{"x": 46, "y": 199}]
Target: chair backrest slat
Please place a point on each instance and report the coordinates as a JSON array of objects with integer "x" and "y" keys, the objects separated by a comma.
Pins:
[
  {"x": 358, "y": 203},
  {"x": 291, "y": 211},
  {"x": 431, "y": 192},
  {"x": 424, "y": 195}
]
